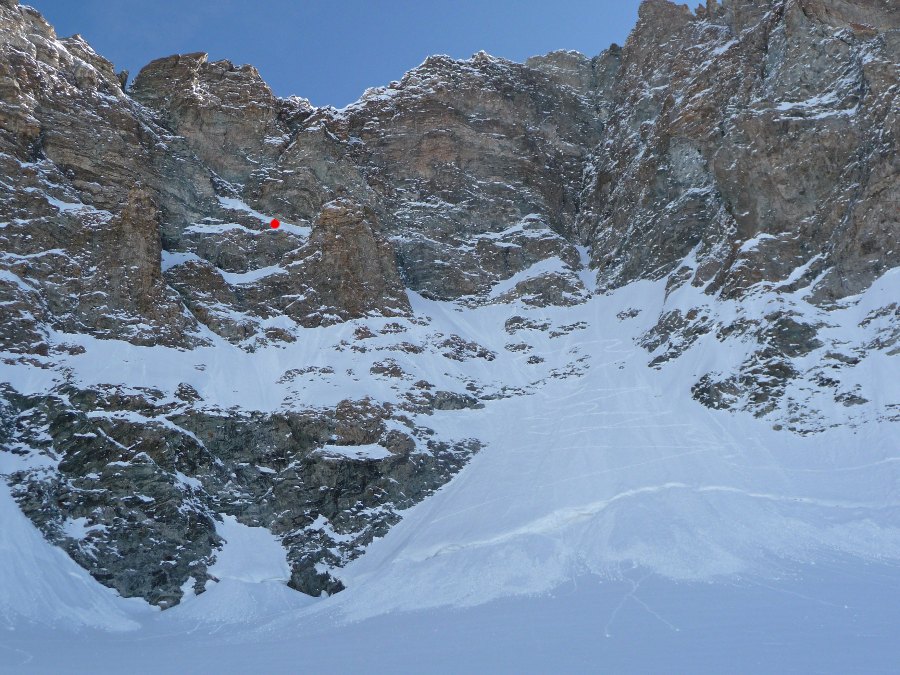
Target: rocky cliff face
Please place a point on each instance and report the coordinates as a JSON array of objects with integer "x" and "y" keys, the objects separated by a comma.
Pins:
[
  {"x": 752, "y": 149},
  {"x": 168, "y": 357}
]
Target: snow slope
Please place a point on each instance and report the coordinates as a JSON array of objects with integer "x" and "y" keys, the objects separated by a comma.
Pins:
[
  {"x": 619, "y": 468},
  {"x": 610, "y": 520}
]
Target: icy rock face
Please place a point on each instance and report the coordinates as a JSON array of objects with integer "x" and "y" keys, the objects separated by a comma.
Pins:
[
  {"x": 752, "y": 148},
  {"x": 749, "y": 120},
  {"x": 144, "y": 479},
  {"x": 66, "y": 210},
  {"x": 168, "y": 357}
]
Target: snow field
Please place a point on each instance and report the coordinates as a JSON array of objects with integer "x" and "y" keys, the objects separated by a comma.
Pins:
[{"x": 605, "y": 497}]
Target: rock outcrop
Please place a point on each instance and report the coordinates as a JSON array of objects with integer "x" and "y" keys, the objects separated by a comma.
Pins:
[{"x": 353, "y": 269}]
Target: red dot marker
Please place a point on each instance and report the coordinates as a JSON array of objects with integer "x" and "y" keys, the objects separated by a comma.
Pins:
[{"x": 275, "y": 223}]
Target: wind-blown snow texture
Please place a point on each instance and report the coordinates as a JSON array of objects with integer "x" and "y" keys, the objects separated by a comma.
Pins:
[{"x": 576, "y": 365}]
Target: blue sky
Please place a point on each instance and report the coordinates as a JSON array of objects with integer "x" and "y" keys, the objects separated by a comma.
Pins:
[{"x": 330, "y": 52}]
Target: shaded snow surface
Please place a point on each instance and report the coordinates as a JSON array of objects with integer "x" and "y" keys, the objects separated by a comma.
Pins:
[{"x": 611, "y": 523}]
